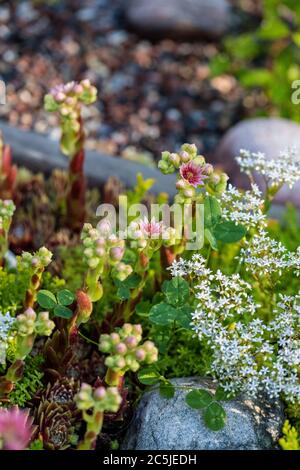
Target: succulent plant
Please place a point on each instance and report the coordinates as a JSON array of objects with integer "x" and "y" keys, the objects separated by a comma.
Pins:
[
  {"x": 103, "y": 252},
  {"x": 126, "y": 352},
  {"x": 67, "y": 100},
  {"x": 62, "y": 392},
  {"x": 58, "y": 355},
  {"x": 93, "y": 403},
  {"x": 35, "y": 264},
  {"x": 54, "y": 425},
  {"x": 28, "y": 326},
  {"x": 194, "y": 173}
]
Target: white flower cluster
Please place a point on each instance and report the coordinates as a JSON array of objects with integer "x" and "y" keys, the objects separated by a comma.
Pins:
[
  {"x": 6, "y": 324},
  {"x": 283, "y": 170},
  {"x": 244, "y": 208},
  {"x": 250, "y": 354},
  {"x": 263, "y": 255},
  {"x": 195, "y": 266}
]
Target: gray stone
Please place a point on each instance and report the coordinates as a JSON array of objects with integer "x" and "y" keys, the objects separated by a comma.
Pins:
[
  {"x": 267, "y": 135},
  {"x": 179, "y": 18},
  {"x": 166, "y": 424}
]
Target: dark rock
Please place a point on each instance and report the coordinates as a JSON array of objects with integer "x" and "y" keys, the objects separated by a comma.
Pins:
[
  {"x": 267, "y": 135},
  {"x": 179, "y": 18},
  {"x": 161, "y": 423}
]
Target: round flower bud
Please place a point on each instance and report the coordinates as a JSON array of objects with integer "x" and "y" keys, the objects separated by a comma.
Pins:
[
  {"x": 121, "y": 348},
  {"x": 116, "y": 253},
  {"x": 104, "y": 228},
  {"x": 99, "y": 393},
  {"x": 184, "y": 156},
  {"x": 140, "y": 354},
  {"x": 180, "y": 184},
  {"x": 131, "y": 342},
  {"x": 115, "y": 338},
  {"x": 189, "y": 192}
]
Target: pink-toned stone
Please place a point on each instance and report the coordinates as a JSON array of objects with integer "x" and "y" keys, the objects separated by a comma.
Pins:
[{"x": 267, "y": 135}]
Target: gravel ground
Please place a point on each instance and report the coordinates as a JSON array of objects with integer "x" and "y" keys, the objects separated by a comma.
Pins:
[{"x": 152, "y": 96}]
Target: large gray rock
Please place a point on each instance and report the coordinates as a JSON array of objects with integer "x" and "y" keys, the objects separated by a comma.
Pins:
[
  {"x": 166, "y": 424},
  {"x": 267, "y": 135},
  {"x": 179, "y": 18}
]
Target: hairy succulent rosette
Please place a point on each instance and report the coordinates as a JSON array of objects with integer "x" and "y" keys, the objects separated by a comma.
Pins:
[
  {"x": 54, "y": 425},
  {"x": 15, "y": 429}
]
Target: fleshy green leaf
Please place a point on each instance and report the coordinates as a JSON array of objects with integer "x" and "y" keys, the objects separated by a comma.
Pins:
[
  {"x": 167, "y": 390},
  {"x": 46, "y": 299},
  {"x": 143, "y": 308},
  {"x": 162, "y": 314},
  {"x": 211, "y": 239},
  {"x": 148, "y": 376},
  {"x": 65, "y": 297},
  {"x": 62, "y": 311},
  {"x": 176, "y": 291},
  {"x": 212, "y": 211},
  {"x": 184, "y": 316},
  {"x": 229, "y": 232},
  {"x": 123, "y": 293},
  {"x": 198, "y": 399},
  {"x": 221, "y": 395},
  {"x": 215, "y": 417}
]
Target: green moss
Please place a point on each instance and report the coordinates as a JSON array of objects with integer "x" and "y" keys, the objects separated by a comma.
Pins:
[
  {"x": 12, "y": 290},
  {"x": 52, "y": 283},
  {"x": 73, "y": 267},
  {"x": 31, "y": 382}
]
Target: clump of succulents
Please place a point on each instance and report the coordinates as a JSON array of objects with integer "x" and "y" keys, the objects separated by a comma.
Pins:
[
  {"x": 67, "y": 100},
  {"x": 93, "y": 404},
  {"x": 125, "y": 352},
  {"x": 103, "y": 253},
  {"x": 194, "y": 174}
]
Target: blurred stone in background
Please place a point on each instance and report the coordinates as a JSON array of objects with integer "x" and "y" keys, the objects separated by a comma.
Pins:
[{"x": 181, "y": 19}]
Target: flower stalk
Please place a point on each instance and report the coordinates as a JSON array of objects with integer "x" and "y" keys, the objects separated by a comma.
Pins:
[
  {"x": 35, "y": 264},
  {"x": 68, "y": 100},
  {"x": 93, "y": 404}
]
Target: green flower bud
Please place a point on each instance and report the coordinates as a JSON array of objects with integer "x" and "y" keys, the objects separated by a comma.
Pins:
[{"x": 43, "y": 325}]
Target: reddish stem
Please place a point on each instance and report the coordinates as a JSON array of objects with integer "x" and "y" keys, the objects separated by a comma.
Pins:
[{"x": 76, "y": 193}]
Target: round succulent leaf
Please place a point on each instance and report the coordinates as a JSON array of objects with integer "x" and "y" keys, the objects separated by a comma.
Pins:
[
  {"x": 229, "y": 232},
  {"x": 198, "y": 399},
  {"x": 46, "y": 299},
  {"x": 215, "y": 417},
  {"x": 184, "y": 316},
  {"x": 166, "y": 389},
  {"x": 65, "y": 297},
  {"x": 162, "y": 314},
  {"x": 62, "y": 311},
  {"x": 176, "y": 291}
]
